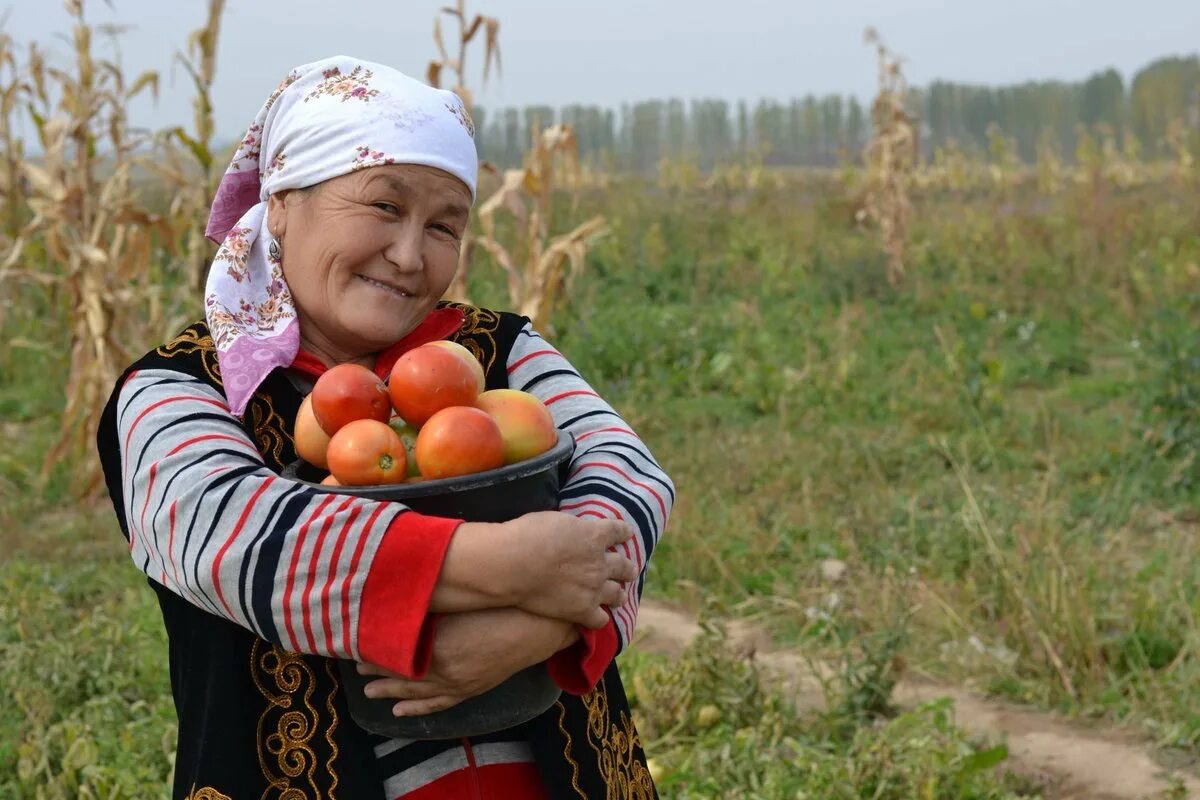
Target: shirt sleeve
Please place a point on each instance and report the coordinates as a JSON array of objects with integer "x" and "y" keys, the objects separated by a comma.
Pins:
[
  {"x": 313, "y": 571},
  {"x": 612, "y": 475}
]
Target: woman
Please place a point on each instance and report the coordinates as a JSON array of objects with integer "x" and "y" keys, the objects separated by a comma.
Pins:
[{"x": 340, "y": 220}]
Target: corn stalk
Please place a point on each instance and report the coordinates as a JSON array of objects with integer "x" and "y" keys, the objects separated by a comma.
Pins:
[
  {"x": 190, "y": 166},
  {"x": 540, "y": 268},
  {"x": 95, "y": 238},
  {"x": 889, "y": 160},
  {"x": 491, "y": 55}
]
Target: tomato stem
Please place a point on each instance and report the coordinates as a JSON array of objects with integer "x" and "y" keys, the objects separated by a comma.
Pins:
[{"x": 385, "y": 461}]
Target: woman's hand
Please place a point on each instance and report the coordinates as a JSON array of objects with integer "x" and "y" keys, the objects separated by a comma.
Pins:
[
  {"x": 473, "y": 652},
  {"x": 549, "y": 563},
  {"x": 566, "y": 568}
]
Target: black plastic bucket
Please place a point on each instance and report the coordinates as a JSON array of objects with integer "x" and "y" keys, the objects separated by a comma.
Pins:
[{"x": 494, "y": 496}]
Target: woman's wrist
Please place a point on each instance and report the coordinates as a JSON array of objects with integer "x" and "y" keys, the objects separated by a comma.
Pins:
[{"x": 477, "y": 572}]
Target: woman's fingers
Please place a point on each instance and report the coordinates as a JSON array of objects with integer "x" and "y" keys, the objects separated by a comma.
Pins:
[
  {"x": 612, "y": 594},
  {"x": 429, "y": 705},
  {"x": 372, "y": 669},
  {"x": 619, "y": 568},
  {"x": 596, "y": 619},
  {"x": 618, "y": 533},
  {"x": 401, "y": 689}
]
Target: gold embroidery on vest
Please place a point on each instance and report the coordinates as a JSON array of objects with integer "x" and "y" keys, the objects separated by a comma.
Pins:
[
  {"x": 288, "y": 723},
  {"x": 562, "y": 728},
  {"x": 191, "y": 339},
  {"x": 335, "y": 687},
  {"x": 206, "y": 793},
  {"x": 478, "y": 332},
  {"x": 616, "y": 744},
  {"x": 270, "y": 432}
]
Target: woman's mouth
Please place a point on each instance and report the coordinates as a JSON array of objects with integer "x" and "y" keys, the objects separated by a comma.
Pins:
[{"x": 396, "y": 291}]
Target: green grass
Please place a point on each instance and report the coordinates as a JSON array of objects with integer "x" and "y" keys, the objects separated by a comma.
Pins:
[{"x": 1006, "y": 450}]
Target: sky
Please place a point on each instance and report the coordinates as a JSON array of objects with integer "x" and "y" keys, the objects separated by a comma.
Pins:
[{"x": 608, "y": 52}]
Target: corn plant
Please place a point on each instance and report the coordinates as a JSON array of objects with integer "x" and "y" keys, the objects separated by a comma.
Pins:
[
  {"x": 190, "y": 167},
  {"x": 889, "y": 160},
  {"x": 540, "y": 267},
  {"x": 84, "y": 215},
  {"x": 491, "y": 55}
]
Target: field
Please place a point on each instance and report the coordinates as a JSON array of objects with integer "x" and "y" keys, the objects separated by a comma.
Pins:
[
  {"x": 1003, "y": 454},
  {"x": 962, "y": 455}
]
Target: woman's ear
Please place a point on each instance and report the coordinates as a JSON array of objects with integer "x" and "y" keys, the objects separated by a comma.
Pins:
[{"x": 277, "y": 212}]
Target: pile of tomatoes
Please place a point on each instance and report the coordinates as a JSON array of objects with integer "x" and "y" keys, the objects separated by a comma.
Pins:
[{"x": 432, "y": 419}]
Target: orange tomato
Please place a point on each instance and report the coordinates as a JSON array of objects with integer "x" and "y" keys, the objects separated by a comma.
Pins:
[
  {"x": 366, "y": 452},
  {"x": 524, "y": 421},
  {"x": 311, "y": 440}
]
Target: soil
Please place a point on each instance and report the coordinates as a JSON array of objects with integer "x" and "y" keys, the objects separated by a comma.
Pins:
[{"x": 1069, "y": 761}]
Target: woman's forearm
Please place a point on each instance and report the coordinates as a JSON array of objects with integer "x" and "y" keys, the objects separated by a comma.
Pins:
[{"x": 477, "y": 571}]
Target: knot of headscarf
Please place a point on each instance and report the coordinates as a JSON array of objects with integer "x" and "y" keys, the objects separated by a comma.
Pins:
[{"x": 326, "y": 119}]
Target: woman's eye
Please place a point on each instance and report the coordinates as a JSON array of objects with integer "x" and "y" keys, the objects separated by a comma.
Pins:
[
  {"x": 388, "y": 207},
  {"x": 444, "y": 228}
]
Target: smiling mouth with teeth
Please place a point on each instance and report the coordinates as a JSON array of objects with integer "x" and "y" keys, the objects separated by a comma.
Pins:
[{"x": 385, "y": 287}]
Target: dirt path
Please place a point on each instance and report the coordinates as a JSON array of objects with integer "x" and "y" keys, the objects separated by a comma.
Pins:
[{"x": 1072, "y": 762}]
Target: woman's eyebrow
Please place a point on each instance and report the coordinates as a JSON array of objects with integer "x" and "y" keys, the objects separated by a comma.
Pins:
[
  {"x": 404, "y": 189},
  {"x": 457, "y": 210}
]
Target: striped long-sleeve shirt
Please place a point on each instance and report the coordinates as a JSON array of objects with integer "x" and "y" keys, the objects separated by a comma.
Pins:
[{"x": 320, "y": 573}]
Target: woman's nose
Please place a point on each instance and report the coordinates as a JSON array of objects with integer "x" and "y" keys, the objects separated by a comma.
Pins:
[{"x": 404, "y": 251}]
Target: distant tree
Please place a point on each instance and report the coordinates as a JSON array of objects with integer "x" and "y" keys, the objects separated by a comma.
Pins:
[{"x": 1167, "y": 90}]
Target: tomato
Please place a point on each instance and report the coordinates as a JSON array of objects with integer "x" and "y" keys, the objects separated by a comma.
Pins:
[
  {"x": 311, "y": 440},
  {"x": 429, "y": 378},
  {"x": 408, "y": 435},
  {"x": 467, "y": 357},
  {"x": 524, "y": 421},
  {"x": 459, "y": 441},
  {"x": 366, "y": 452},
  {"x": 346, "y": 393}
]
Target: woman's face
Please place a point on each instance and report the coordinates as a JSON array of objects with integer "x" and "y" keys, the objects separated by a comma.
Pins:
[{"x": 368, "y": 255}]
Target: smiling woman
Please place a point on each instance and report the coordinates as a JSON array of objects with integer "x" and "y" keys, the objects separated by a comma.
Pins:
[
  {"x": 369, "y": 254},
  {"x": 336, "y": 251}
]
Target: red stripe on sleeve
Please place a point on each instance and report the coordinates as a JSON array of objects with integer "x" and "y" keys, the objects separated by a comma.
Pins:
[
  {"x": 513, "y": 367},
  {"x": 333, "y": 565},
  {"x": 216, "y": 567},
  {"x": 572, "y": 393},
  {"x": 662, "y": 506},
  {"x": 208, "y": 437},
  {"x": 151, "y": 407},
  {"x": 145, "y": 505},
  {"x": 351, "y": 572},
  {"x": 291, "y": 574},
  {"x": 606, "y": 430},
  {"x": 306, "y": 598}
]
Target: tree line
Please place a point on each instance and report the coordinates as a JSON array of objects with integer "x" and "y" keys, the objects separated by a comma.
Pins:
[{"x": 823, "y": 131}]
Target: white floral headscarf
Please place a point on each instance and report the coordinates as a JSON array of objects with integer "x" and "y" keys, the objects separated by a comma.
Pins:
[{"x": 326, "y": 119}]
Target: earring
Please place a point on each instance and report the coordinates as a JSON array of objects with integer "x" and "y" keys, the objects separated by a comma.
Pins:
[{"x": 274, "y": 250}]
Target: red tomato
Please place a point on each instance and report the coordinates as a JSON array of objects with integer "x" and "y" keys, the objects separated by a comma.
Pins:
[
  {"x": 366, "y": 452},
  {"x": 346, "y": 393},
  {"x": 467, "y": 357},
  {"x": 459, "y": 441},
  {"x": 429, "y": 378}
]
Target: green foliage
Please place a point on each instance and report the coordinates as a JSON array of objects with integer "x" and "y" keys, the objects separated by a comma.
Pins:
[
  {"x": 715, "y": 731},
  {"x": 1173, "y": 391},
  {"x": 83, "y": 665},
  {"x": 1002, "y": 454}
]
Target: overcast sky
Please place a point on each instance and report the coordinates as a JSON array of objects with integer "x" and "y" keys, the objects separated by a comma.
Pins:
[{"x": 611, "y": 51}]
